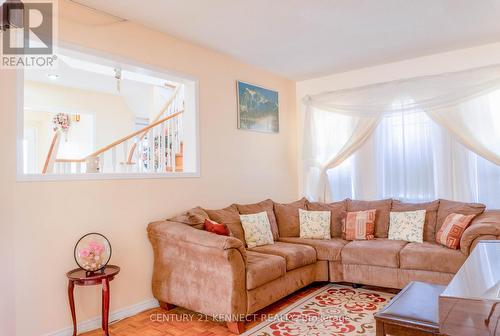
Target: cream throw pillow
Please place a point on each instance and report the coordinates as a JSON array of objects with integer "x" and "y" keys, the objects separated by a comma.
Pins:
[
  {"x": 257, "y": 229},
  {"x": 314, "y": 224},
  {"x": 407, "y": 226}
]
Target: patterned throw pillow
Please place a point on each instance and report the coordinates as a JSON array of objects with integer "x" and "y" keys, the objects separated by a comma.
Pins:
[
  {"x": 257, "y": 229},
  {"x": 407, "y": 226},
  {"x": 314, "y": 224},
  {"x": 359, "y": 225},
  {"x": 452, "y": 229}
]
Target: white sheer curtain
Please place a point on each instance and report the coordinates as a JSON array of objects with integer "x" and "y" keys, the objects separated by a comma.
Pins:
[
  {"x": 404, "y": 145},
  {"x": 415, "y": 160},
  {"x": 426, "y": 129},
  {"x": 332, "y": 138}
]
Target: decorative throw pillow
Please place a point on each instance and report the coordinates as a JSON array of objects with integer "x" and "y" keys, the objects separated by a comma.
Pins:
[
  {"x": 257, "y": 229},
  {"x": 214, "y": 227},
  {"x": 337, "y": 213},
  {"x": 447, "y": 207},
  {"x": 383, "y": 208},
  {"x": 431, "y": 210},
  {"x": 314, "y": 224},
  {"x": 407, "y": 226},
  {"x": 231, "y": 218},
  {"x": 267, "y": 206},
  {"x": 452, "y": 229},
  {"x": 359, "y": 225}
]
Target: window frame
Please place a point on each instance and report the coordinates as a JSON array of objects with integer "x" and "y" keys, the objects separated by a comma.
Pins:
[{"x": 130, "y": 65}]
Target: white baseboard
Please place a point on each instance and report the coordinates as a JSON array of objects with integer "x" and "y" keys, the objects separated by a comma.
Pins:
[{"x": 95, "y": 323}]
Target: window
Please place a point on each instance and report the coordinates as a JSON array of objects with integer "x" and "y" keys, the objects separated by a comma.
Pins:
[
  {"x": 95, "y": 117},
  {"x": 404, "y": 155},
  {"x": 410, "y": 157}
]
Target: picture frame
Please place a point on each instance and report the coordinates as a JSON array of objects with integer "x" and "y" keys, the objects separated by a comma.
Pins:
[{"x": 258, "y": 108}]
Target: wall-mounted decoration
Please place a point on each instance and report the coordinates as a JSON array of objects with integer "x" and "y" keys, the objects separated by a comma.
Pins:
[
  {"x": 61, "y": 121},
  {"x": 258, "y": 108}
]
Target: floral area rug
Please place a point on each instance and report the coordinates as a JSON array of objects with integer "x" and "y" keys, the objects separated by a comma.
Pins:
[{"x": 331, "y": 310}]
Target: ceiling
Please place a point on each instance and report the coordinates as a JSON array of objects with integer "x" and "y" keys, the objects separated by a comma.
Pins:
[
  {"x": 302, "y": 39},
  {"x": 136, "y": 89}
]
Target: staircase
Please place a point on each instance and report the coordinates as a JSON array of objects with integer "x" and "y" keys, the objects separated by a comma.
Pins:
[
  {"x": 179, "y": 160},
  {"x": 156, "y": 148}
]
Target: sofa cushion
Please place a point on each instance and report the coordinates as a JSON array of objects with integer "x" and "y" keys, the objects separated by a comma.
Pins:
[
  {"x": 296, "y": 255},
  {"x": 447, "y": 207},
  {"x": 383, "y": 208},
  {"x": 431, "y": 209},
  {"x": 267, "y": 206},
  {"x": 231, "y": 217},
  {"x": 326, "y": 249},
  {"x": 287, "y": 217},
  {"x": 337, "y": 209},
  {"x": 377, "y": 252},
  {"x": 194, "y": 217},
  {"x": 262, "y": 268},
  {"x": 431, "y": 257}
]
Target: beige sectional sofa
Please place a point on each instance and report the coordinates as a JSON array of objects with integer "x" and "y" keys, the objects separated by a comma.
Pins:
[{"x": 217, "y": 275}]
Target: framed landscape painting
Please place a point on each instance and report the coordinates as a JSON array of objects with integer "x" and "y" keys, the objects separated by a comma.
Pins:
[{"x": 258, "y": 108}]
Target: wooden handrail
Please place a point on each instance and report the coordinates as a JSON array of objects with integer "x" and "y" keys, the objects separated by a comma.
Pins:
[
  {"x": 130, "y": 136},
  {"x": 165, "y": 107},
  {"x": 167, "y": 104},
  {"x": 122, "y": 140},
  {"x": 52, "y": 147},
  {"x": 70, "y": 160}
]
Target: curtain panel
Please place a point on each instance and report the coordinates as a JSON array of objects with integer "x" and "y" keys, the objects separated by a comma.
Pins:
[{"x": 466, "y": 104}]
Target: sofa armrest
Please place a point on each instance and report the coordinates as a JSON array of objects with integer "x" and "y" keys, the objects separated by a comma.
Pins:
[
  {"x": 484, "y": 226},
  {"x": 188, "y": 234},
  {"x": 198, "y": 270}
]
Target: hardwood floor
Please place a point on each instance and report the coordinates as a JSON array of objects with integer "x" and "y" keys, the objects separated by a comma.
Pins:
[{"x": 182, "y": 322}]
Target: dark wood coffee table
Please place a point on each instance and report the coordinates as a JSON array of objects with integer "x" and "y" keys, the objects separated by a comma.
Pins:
[{"x": 413, "y": 311}]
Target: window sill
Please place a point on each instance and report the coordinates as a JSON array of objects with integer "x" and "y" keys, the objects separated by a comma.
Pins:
[{"x": 102, "y": 176}]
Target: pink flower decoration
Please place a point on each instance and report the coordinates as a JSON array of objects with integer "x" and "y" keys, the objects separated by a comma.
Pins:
[
  {"x": 84, "y": 252},
  {"x": 96, "y": 247}
]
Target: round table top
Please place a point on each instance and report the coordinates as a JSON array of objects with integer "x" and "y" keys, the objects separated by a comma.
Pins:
[{"x": 81, "y": 274}]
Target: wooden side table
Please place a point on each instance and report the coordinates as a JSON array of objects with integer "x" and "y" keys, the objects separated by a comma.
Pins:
[{"x": 78, "y": 277}]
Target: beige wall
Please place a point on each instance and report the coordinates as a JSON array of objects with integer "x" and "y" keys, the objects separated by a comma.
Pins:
[
  {"x": 7, "y": 170},
  {"x": 44, "y": 219},
  {"x": 422, "y": 66}
]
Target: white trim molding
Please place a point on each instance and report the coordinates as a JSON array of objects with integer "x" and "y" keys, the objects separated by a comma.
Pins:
[{"x": 95, "y": 323}]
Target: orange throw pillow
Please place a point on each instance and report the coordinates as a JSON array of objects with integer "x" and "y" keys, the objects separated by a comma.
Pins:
[
  {"x": 359, "y": 225},
  {"x": 452, "y": 229}
]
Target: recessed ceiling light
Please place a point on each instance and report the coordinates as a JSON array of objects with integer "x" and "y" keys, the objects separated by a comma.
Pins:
[{"x": 53, "y": 76}]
